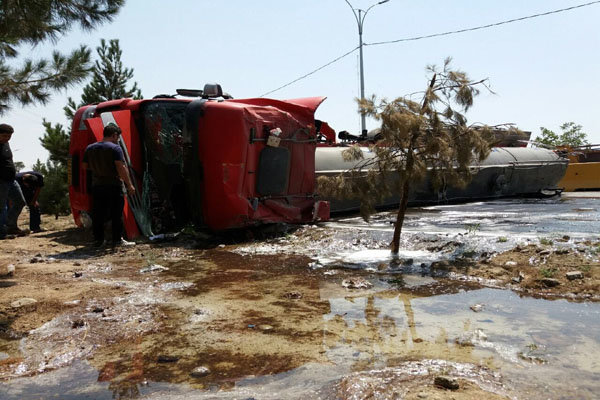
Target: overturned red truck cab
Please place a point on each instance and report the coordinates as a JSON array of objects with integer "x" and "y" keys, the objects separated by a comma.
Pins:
[{"x": 207, "y": 159}]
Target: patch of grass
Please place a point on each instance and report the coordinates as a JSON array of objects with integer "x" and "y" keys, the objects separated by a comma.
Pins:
[
  {"x": 547, "y": 272},
  {"x": 585, "y": 268},
  {"x": 469, "y": 253},
  {"x": 150, "y": 258},
  {"x": 188, "y": 229},
  {"x": 472, "y": 228},
  {"x": 502, "y": 239},
  {"x": 397, "y": 282},
  {"x": 546, "y": 241}
]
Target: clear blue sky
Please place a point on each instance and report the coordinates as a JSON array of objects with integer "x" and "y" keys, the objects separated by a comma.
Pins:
[{"x": 545, "y": 71}]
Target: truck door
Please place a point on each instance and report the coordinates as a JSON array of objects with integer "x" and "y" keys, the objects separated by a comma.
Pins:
[{"x": 135, "y": 218}]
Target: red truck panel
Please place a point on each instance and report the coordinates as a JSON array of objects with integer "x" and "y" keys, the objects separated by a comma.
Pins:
[{"x": 230, "y": 155}]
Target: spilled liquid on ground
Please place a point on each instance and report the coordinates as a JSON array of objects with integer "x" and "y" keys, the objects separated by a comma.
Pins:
[{"x": 275, "y": 323}]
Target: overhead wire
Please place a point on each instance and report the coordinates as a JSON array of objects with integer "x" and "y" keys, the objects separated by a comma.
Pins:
[
  {"x": 432, "y": 36},
  {"x": 482, "y": 26},
  {"x": 313, "y": 71}
]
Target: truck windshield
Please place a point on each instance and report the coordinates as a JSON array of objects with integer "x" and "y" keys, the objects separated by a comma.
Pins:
[{"x": 162, "y": 123}]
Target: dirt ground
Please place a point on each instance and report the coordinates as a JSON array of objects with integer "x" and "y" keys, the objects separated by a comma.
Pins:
[
  {"x": 56, "y": 273},
  {"x": 40, "y": 275},
  {"x": 540, "y": 270}
]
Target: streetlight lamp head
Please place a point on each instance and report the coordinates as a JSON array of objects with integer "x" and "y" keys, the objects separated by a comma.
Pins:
[{"x": 384, "y": 1}]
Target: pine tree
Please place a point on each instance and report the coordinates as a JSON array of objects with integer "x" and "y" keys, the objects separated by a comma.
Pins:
[
  {"x": 19, "y": 165},
  {"x": 33, "y": 22},
  {"x": 40, "y": 167},
  {"x": 418, "y": 139},
  {"x": 56, "y": 141},
  {"x": 109, "y": 81},
  {"x": 54, "y": 198}
]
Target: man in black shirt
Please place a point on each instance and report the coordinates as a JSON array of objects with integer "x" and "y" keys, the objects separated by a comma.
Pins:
[
  {"x": 106, "y": 161},
  {"x": 10, "y": 192},
  {"x": 31, "y": 183}
]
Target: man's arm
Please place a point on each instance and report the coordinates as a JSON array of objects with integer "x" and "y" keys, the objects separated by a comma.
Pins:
[
  {"x": 33, "y": 202},
  {"x": 124, "y": 175}
]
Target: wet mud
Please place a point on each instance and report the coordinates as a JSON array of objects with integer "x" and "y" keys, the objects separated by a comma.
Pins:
[{"x": 318, "y": 312}]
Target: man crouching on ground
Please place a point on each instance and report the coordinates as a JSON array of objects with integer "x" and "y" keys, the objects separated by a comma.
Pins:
[
  {"x": 31, "y": 183},
  {"x": 106, "y": 162},
  {"x": 10, "y": 191}
]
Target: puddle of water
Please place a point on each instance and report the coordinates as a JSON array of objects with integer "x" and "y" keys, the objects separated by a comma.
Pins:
[
  {"x": 269, "y": 322},
  {"x": 543, "y": 349},
  {"x": 573, "y": 216},
  {"x": 444, "y": 232},
  {"x": 76, "y": 382}
]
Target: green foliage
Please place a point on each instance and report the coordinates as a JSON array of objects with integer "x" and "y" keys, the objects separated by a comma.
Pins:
[
  {"x": 571, "y": 135},
  {"x": 19, "y": 165},
  {"x": 54, "y": 197},
  {"x": 469, "y": 253},
  {"x": 472, "y": 228},
  {"x": 397, "y": 282},
  {"x": 33, "y": 22},
  {"x": 546, "y": 242},
  {"x": 547, "y": 272},
  {"x": 56, "y": 141},
  {"x": 109, "y": 80},
  {"x": 39, "y": 166},
  {"x": 429, "y": 137},
  {"x": 502, "y": 239}
]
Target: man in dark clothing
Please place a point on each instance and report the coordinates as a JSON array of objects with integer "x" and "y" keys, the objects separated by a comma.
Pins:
[
  {"x": 31, "y": 183},
  {"x": 10, "y": 192},
  {"x": 106, "y": 162}
]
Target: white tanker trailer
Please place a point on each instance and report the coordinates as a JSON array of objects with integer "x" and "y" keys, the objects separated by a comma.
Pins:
[{"x": 506, "y": 172}]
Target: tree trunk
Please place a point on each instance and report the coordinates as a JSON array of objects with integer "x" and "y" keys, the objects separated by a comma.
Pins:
[
  {"x": 410, "y": 164},
  {"x": 400, "y": 217}
]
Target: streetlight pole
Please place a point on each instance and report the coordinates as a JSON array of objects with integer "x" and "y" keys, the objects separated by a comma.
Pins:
[{"x": 360, "y": 20}]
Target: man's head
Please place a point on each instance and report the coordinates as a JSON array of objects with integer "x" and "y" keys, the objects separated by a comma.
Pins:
[
  {"x": 6, "y": 132},
  {"x": 112, "y": 132},
  {"x": 30, "y": 180}
]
